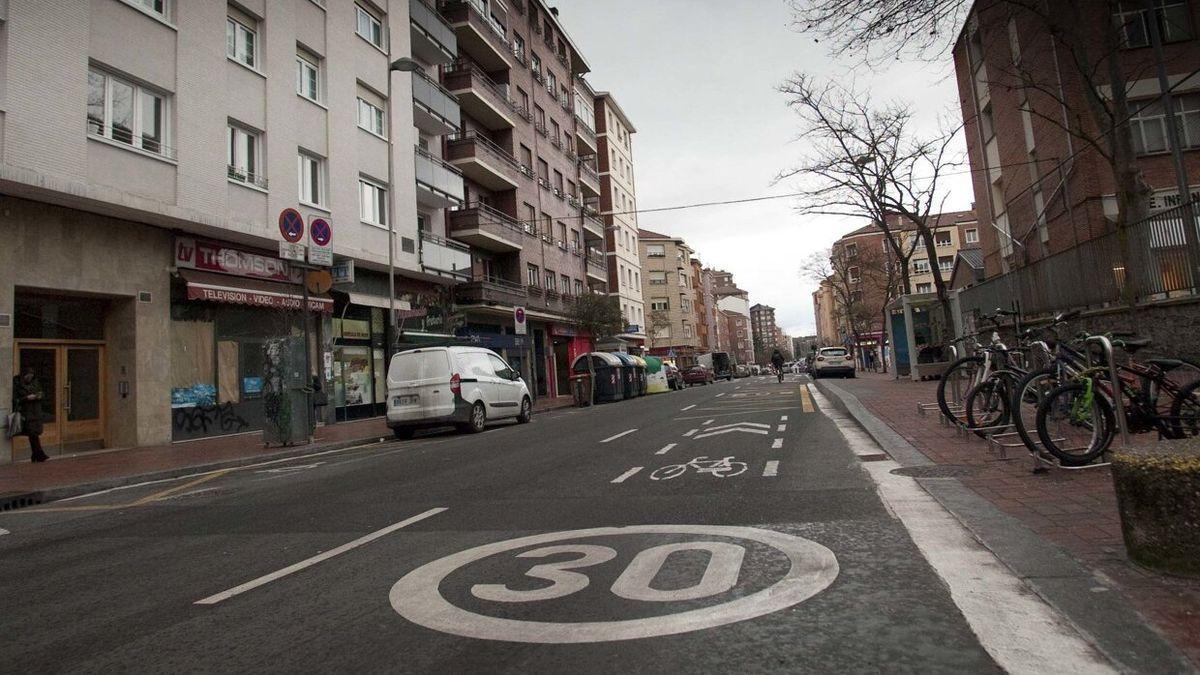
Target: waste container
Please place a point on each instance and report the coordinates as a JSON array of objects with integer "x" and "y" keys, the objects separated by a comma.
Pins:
[
  {"x": 628, "y": 375},
  {"x": 643, "y": 374},
  {"x": 656, "y": 375},
  {"x": 609, "y": 383},
  {"x": 580, "y": 385}
]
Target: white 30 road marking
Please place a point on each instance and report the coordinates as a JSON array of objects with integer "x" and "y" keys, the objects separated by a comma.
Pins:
[
  {"x": 623, "y": 433},
  {"x": 627, "y": 474},
  {"x": 666, "y": 449},
  {"x": 309, "y": 562},
  {"x": 812, "y": 569}
]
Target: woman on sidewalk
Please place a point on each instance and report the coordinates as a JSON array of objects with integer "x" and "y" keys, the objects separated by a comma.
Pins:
[{"x": 27, "y": 395}]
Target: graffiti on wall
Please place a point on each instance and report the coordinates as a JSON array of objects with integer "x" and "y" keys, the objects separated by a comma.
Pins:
[{"x": 203, "y": 419}]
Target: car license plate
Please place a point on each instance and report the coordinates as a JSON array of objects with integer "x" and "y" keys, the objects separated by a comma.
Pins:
[{"x": 405, "y": 400}]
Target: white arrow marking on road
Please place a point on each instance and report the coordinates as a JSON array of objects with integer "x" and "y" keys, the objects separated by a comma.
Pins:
[
  {"x": 689, "y": 432},
  {"x": 730, "y": 431},
  {"x": 290, "y": 469},
  {"x": 627, "y": 474},
  {"x": 623, "y": 433},
  {"x": 666, "y": 449},
  {"x": 771, "y": 469},
  {"x": 742, "y": 424},
  {"x": 777, "y": 444},
  {"x": 687, "y": 408},
  {"x": 782, "y": 427}
]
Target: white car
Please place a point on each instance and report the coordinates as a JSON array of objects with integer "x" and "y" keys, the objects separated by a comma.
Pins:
[
  {"x": 833, "y": 361},
  {"x": 460, "y": 386}
]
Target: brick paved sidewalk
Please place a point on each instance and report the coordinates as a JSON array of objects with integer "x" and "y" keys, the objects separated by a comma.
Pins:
[
  {"x": 1076, "y": 510},
  {"x": 76, "y": 474}
]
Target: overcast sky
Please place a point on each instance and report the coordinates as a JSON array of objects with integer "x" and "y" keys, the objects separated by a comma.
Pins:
[{"x": 698, "y": 79}]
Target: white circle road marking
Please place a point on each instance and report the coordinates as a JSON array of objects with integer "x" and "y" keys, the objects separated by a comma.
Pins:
[{"x": 417, "y": 597}]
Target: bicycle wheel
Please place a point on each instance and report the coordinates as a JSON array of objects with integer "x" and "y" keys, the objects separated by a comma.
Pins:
[
  {"x": 1073, "y": 428},
  {"x": 987, "y": 406},
  {"x": 955, "y": 384},
  {"x": 1027, "y": 395},
  {"x": 1185, "y": 411},
  {"x": 668, "y": 472}
]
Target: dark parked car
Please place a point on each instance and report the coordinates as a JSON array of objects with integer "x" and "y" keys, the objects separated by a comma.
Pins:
[{"x": 697, "y": 375}]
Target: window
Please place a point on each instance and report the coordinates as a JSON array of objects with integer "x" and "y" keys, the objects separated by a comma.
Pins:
[
  {"x": 156, "y": 7},
  {"x": 971, "y": 236},
  {"x": 942, "y": 238},
  {"x": 312, "y": 179},
  {"x": 551, "y": 83},
  {"x": 526, "y": 157},
  {"x": 308, "y": 76},
  {"x": 551, "y": 284},
  {"x": 987, "y": 126},
  {"x": 853, "y": 274},
  {"x": 558, "y": 180},
  {"x": 372, "y": 202},
  {"x": 555, "y": 133},
  {"x": 682, "y": 280},
  {"x": 530, "y": 218},
  {"x": 566, "y": 284},
  {"x": 539, "y": 116},
  {"x": 244, "y": 154},
  {"x": 856, "y": 297},
  {"x": 1174, "y": 24},
  {"x": 241, "y": 41},
  {"x": 518, "y": 47},
  {"x": 578, "y": 287},
  {"x": 533, "y": 275},
  {"x": 851, "y": 250},
  {"x": 924, "y": 288},
  {"x": 946, "y": 263},
  {"x": 920, "y": 266},
  {"x": 523, "y": 99},
  {"x": 126, "y": 112},
  {"x": 656, "y": 251},
  {"x": 1149, "y": 124},
  {"x": 658, "y": 278},
  {"x": 536, "y": 66},
  {"x": 370, "y": 28},
  {"x": 370, "y": 117}
]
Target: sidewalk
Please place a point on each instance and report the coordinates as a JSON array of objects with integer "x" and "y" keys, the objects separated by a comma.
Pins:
[
  {"x": 86, "y": 472},
  {"x": 1076, "y": 510}
]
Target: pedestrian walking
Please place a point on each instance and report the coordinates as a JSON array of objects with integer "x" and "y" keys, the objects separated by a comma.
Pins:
[{"x": 27, "y": 399}]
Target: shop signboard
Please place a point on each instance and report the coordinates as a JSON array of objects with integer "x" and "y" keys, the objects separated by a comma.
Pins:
[
  {"x": 213, "y": 257},
  {"x": 343, "y": 271},
  {"x": 289, "y": 251},
  {"x": 239, "y": 296}
]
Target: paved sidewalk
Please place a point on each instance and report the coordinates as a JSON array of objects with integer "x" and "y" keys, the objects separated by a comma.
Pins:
[
  {"x": 85, "y": 472},
  {"x": 1076, "y": 510}
]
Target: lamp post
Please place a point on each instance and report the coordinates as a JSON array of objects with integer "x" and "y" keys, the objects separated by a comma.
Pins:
[{"x": 404, "y": 65}]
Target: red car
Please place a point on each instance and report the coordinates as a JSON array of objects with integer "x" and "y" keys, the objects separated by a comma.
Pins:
[{"x": 697, "y": 375}]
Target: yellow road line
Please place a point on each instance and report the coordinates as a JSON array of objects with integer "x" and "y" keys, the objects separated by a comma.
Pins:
[
  {"x": 806, "y": 399},
  {"x": 178, "y": 488}
]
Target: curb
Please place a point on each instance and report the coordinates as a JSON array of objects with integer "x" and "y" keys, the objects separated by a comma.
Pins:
[{"x": 1106, "y": 619}]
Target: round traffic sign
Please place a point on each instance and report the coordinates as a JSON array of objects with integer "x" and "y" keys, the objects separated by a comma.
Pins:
[
  {"x": 319, "y": 281},
  {"x": 520, "y": 315},
  {"x": 812, "y": 568},
  {"x": 291, "y": 225},
  {"x": 320, "y": 231}
]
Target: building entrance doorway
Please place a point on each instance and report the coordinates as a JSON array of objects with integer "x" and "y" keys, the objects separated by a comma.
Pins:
[{"x": 73, "y": 403}]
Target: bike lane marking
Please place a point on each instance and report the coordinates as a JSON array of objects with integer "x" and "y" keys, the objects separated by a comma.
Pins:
[
  {"x": 771, "y": 469},
  {"x": 689, "y": 432},
  {"x": 627, "y": 474},
  {"x": 719, "y": 395},
  {"x": 783, "y": 418},
  {"x": 665, "y": 449},
  {"x": 782, "y": 428},
  {"x": 777, "y": 444},
  {"x": 706, "y": 423},
  {"x": 687, "y": 408},
  {"x": 623, "y": 433}
]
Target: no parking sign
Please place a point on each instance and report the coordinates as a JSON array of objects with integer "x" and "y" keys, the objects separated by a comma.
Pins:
[
  {"x": 519, "y": 320},
  {"x": 320, "y": 238}
]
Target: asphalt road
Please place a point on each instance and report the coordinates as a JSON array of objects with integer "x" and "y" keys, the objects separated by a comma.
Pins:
[{"x": 541, "y": 547}]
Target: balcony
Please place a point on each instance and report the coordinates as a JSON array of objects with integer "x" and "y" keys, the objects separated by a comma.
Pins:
[
  {"x": 433, "y": 38},
  {"x": 439, "y": 185},
  {"x": 593, "y": 226},
  {"x": 483, "y": 161},
  {"x": 484, "y": 227},
  {"x": 445, "y": 257},
  {"x": 435, "y": 110},
  {"x": 597, "y": 268},
  {"x": 585, "y": 137},
  {"x": 482, "y": 98},
  {"x": 493, "y": 291},
  {"x": 478, "y": 34},
  {"x": 589, "y": 180}
]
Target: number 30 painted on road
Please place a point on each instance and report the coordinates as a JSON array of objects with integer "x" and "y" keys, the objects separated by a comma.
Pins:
[{"x": 813, "y": 567}]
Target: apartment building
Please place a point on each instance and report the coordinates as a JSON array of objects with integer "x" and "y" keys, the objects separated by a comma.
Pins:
[
  {"x": 618, "y": 203},
  {"x": 666, "y": 263},
  {"x": 825, "y": 315},
  {"x": 154, "y": 157},
  {"x": 702, "y": 290},
  {"x": 730, "y": 298},
  {"x": 762, "y": 322},
  {"x": 527, "y": 151},
  {"x": 1040, "y": 189},
  {"x": 739, "y": 343}
]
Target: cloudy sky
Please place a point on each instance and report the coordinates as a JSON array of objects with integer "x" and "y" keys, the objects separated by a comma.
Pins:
[{"x": 698, "y": 79}]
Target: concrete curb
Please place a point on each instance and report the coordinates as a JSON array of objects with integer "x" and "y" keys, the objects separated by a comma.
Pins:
[{"x": 1108, "y": 620}]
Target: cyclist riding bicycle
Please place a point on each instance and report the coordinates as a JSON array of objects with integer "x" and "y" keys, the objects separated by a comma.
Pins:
[{"x": 777, "y": 363}]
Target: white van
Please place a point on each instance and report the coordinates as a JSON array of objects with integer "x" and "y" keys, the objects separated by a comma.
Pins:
[{"x": 460, "y": 386}]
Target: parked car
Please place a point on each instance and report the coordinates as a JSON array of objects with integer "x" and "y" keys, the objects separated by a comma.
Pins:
[
  {"x": 460, "y": 386},
  {"x": 741, "y": 370},
  {"x": 674, "y": 376},
  {"x": 833, "y": 361},
  {"x": 698, "y": 375}
]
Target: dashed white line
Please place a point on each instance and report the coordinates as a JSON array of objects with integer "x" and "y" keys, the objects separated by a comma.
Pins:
[
  {"x": 627, "y": 474},
  {"x": 777, "y": 444},
  {"x": 782, "y": 427},
  {"x": 771, "y": 469},
  {"x": 783, "y": 418},
  {"x": 309, "y": 562},
  {"x": 706, "y": 423},
  {"x": 687, "y": 408},
  {"x": 690, "y": 432},
  {"x": 4, "y": 532},
  {"x": 665, "y": 449},
  {"x": 719, "y": 395},
  {"x": 623, "y": 433}
]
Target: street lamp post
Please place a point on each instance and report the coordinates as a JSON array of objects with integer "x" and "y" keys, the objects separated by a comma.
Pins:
[{"x": 404, "y": 65}]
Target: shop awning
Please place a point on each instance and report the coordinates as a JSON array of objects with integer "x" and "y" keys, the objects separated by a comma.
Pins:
[
  {"x": 210, "y": 287},
  {"x": 368, "y": 300}
]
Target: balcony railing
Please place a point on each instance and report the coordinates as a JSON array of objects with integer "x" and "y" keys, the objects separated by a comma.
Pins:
[
  {"x": 439, "y": 177},
  {"x": 585, "y": 132},
  {"x": 494, "y": 49},
  {"x": 594, "y": 225},
  {"x": 445, "y": 256},
  {"x": 482, "y": 98},
  {"x": 433, "y": 37},
  {"x": 437, "y": 101},
  {"x": 490, "y": 290},
  {"x": 505, "y": 175},
  {"x": 242, "y": 176},
  {"x": 483, "y": 226}
]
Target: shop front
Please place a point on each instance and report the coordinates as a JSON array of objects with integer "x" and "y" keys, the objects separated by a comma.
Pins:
[
  {"x": 358, "y": 379},
  {"x": 226, "y": 304},
  {"x": 566, "y": 345}
]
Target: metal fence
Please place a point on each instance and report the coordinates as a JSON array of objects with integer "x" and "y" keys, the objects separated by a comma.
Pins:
[{"x": 1156, "y": 265}]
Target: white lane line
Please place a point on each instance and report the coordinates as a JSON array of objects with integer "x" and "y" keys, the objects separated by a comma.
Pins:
[
  {"x": 783, "y": 418},
  {"x": 771, "y": 469},
  {"x": 690, "y": 432},
  {"x": 706, "y": 423},
  {"x": 623, "y": 433},
  {"x": 627, "y": 474},
  {"x": 777, "y": 444},
  {"x": 719, "y": 395},
  {"x": 665, "y": 449},
  {"x": 782, "y": 427},
  {"x": 304, "y": 564},
  {"x": 740, "y": 424},
  {"x": 687, "y": 408},
  {"x": 731, "y": 431},
  {"x": 4, "y": 532}
]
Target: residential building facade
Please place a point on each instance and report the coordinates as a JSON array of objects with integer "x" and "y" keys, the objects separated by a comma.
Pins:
[
  {"x": 666, "y": 263},
  {"x": 705, "y": 337},
  {"x": 618, "y": 205},
  {"x": 825, "y": 315},
  {"x": 762, "y": 322}
]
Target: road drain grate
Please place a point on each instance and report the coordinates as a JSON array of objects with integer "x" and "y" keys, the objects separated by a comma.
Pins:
[
  {"x": 935, "y": 471},
  {"x": 873, "y": 458},
  {"x": 10, "y": 501}
]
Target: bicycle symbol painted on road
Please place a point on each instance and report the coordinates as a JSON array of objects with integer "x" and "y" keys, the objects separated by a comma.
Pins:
[{"x": 721, "y": 468}]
